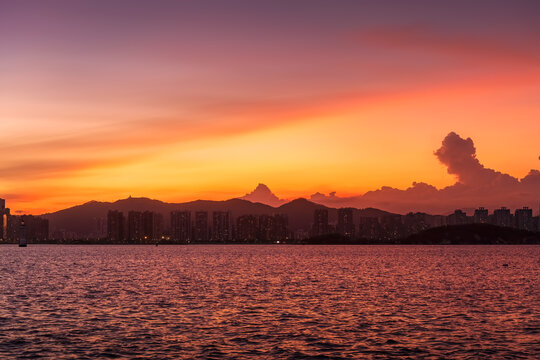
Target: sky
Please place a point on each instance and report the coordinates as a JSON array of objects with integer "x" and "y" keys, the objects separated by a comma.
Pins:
[{"x": 185, "y": 100}]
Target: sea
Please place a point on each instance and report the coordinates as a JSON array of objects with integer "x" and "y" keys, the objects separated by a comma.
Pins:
[{"x": 269, "y": 302}]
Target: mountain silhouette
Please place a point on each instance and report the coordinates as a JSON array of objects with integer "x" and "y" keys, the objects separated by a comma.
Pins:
[{"x": 81, "y": 220}]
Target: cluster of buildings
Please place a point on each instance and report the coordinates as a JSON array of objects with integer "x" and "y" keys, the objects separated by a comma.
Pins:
[
  {"x": 147, "y": 227},
  {"x": 390, "y": 227},
  {"x": 139, "y": 227},
  {"x": 219, "y": 227},
  {"x": 12, "y": 227},
  {"x": 521, "y": 219},
  {"x": 184, "y": 227}
]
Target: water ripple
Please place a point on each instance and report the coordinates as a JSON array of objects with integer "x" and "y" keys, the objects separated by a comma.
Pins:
[{"x": 270, "y": 302}]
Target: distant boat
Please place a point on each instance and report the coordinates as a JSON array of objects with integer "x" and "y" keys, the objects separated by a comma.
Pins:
[{"x": 22, "y": 235}]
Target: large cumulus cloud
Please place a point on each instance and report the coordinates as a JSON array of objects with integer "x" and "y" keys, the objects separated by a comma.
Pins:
[{"x": 476, "y": 186}]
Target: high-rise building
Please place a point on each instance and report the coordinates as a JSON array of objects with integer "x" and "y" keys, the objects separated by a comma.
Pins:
[
  {"x": 502, "y": 217},
  {"x": 346, "y": 222},
  {"x": 152, "y": 224},
  {"x": 181, "y": 226},
  {"x": 457, "y": 218},
  {"x": 4, "y": 219},
  {"x": 99, "y": 227},
  {"x": 266, "y": 228},
  {"x": 220, "y": 226},
  {"x": 481, "y": 216},
  {"x": 115, "y": 226},
  {"x": 246, "y": 228},
  {"x": 369, "y": 228},
  {"x": 200, "y": 232},
  {"x": 281, "y": 227},
  {"x": 320, "y": 222},
  {"x": 135, "y": 227},
  {"x": 524, "y": 219}
]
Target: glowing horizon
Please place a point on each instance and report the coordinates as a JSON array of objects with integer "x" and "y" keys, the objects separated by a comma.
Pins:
[{"x": 178, "y": 101}]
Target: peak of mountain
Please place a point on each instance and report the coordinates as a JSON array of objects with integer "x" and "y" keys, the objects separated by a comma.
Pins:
[
  {"x": 263, "y": 194},
  {"x": 301, "y": 202},
  {"x": 133, "y": 200}
]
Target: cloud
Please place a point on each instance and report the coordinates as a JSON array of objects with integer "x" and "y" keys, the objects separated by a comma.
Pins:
[
  {"x": 263, "y": 195},
  {"x": 435, "y": 40},
  {"x": 459, "y": 156},
  {"x": 476, "y": 186}
]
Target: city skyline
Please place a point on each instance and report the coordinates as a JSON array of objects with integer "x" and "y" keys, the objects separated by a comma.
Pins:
[
  {"x": 272, "y": 225},
  {"x": 181, "y": 101}
]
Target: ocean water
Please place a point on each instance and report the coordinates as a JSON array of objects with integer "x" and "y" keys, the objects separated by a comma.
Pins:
[{"x": 269, "y": 302}]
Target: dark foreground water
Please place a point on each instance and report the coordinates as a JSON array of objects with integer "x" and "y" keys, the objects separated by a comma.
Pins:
[{"x": 273, "y": 302}]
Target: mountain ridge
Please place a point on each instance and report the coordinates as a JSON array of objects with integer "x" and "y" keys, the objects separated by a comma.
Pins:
[{"x": 82, "y": 219}]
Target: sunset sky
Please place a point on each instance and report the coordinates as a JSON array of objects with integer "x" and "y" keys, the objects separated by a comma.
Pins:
[{"x": 180, "y": 100}]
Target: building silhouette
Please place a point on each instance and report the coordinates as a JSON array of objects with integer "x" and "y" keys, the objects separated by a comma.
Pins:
[
  {"x": 345, "y": 225},
  {"x": 502, "y": 217},
  {"x": 220, "y": 226},
  {"x": 4, "y": 218},
  {"x": 152, "y": 224},
  {"x": 200, "y": 231},
  {"x": 116, "y": 226},
  {"x": 266, "y": 228},
  {"x": 481, "y": 216},
  {"x": 181, "y": 226},
  {"x": 281, "y": 227},
  {"x": 457, "y": 218},
  {"x": 246, "y": 228},
  {"x": 369, "y": 228},
  {"x": 524, "y": 219},
  {"x": 36, "y": 229},
  {"x": 320, "y": 222},
  {"x": 135, "y": 227}
]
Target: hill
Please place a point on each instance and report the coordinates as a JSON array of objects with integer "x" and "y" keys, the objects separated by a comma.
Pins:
[{"x": 84, "y": 220}]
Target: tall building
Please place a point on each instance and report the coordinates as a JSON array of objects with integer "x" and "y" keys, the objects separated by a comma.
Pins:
[
  {"x": 220, "y": 226},
  {"x": 4, "y": 219},
  {"x": 181, "y": 226},
  {"x": 266, "y": 228},
  {"x": 116, "y": 226},
  {"x": 281, "y": 227},
  {"x": 481, "y": 216},
  {"x": 369, "y": 228},
  {"x": 99, "y": 227},
  {"x": 346, "y": 222},
  {"x": 524, "y": 219},
  {"x": 502, "y": 217},
  {"x": 320, "y": 222},
  {"x": 152, "y": 225},
  {"x": 200, "y": 232},
  {"x": 135, "y": 227},
  {"x": 246, "y": 228},
  {"x": 457, "y": 218}
]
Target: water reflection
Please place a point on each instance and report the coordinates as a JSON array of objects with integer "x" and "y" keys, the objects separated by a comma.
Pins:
[{"x": 269, "y": 301}]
